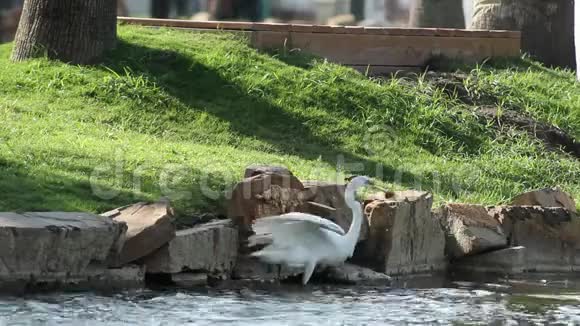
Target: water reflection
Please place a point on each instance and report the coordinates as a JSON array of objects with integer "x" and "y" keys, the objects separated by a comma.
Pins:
[{"x": 497, "y": 302}]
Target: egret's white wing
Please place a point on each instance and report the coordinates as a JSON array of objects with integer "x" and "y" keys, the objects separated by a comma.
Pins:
[
  {"x": 293, "y": 230},
  {"x": 294, "y": 238},
  {"x": 263, "y": 225}
]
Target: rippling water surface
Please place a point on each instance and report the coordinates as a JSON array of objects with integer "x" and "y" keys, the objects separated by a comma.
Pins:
[{"x": 458, "y": 303}]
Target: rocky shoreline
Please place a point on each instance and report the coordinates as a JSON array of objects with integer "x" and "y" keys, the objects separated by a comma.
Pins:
[{"x": 403, "y": 235}]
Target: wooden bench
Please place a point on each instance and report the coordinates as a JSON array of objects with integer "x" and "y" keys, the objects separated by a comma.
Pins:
[{"x": 372, "y": 49}]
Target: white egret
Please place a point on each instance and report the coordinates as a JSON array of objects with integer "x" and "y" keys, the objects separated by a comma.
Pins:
[{"x": 301, "y": 240}]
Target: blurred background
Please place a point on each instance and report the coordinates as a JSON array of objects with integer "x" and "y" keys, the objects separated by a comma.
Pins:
[{"x": 386, "y": 13}]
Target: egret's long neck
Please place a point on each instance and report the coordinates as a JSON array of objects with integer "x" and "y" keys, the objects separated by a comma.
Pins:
[{"x": 352, "y": 235}]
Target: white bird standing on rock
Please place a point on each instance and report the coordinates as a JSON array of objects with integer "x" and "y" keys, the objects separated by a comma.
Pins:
[{"x": 301, "y": 240}]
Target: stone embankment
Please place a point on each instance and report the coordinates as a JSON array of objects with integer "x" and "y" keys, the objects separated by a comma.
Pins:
[{"x": 402, "y": 235}]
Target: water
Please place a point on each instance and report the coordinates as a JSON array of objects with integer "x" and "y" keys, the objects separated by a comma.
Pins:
[{"x": 458, "y": 303}]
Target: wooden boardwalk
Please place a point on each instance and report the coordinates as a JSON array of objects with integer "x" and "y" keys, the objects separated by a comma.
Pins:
[{"x": 373, "y": 49}]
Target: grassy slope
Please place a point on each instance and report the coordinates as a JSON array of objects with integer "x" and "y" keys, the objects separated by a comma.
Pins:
[{"x": 170, "y": 112}]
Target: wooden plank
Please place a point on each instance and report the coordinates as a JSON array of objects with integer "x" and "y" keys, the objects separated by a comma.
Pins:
[
  {"x": 305, "y": 28},
  {"x": 388, "y": 50},
  {"x": 188, "y": 23},
  {"x": 229, "y": 25},
  {"x": 384, "y": 50},
  {"x": 355, "y": 30},
  {"x": 329, "y": 29},
  {"x": 443, "y": 32},
  {"x": 272, "y": 27},
  {"x": 267, "y": 40}
]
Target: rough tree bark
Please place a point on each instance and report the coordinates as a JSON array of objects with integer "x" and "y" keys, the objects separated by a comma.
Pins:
[
  {"x": 546, "y": 25},
  {"x": 220, "y": 9},
  {"x": 395, "y": 11},
  {"x": 122, "y": 8},
  {"x": 577, "y": 36},
  {"x": 437, "y": 13},
  {"x": 357, "y": 8},
  {"x": 72, "y": 31},
  {"x": 160, "y": 8}
]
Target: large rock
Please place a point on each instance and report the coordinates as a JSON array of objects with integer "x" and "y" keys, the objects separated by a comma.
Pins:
[
  {"x": 150, "y": 226},
  {"x": 505, "y": 261},
  {"x": 250, "y": 269},
  {"x": 470, "y": 230},
  {"x": 125, "y": 277},
  {"x": 189, "y": 280},
  {"x": 404, "y": 237},
  {"x": 349, "y": 273},
  {"x": 263, "y": 195},
  {"x": 327, "y": 200},
  {"x": 254, "y": 170},
  {"x": 211, "y": 248},
  {"x": 551, "y": 236},
  {"x": 96, "y": 277},
  {"x": 55, "y": 247},
  {"x": 547, "y": 197}
]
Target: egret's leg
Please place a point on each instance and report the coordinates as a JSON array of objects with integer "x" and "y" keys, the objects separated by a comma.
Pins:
[{"x": 308, "y": 270}]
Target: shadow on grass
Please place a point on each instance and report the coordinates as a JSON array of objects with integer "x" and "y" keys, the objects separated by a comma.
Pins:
[
  {"x": 52, "y": 192},
  {"x": 198, "y": 86},
  {"x": 294, "y": 57},
  {"x": 68, "y": 187},
  {"x": 76, "y": 187},
  {"x": 522, "y": 64}
]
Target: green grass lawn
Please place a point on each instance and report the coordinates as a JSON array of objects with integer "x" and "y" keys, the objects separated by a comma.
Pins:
[{"x": 180, "y": 114}]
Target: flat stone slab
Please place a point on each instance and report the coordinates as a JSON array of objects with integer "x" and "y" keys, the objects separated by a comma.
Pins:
[
  {"x": 127, "y": 277},
  {"x": 55, "y": 246},
  {"x": 150, "y": 226},
  {"x": 211, "y": 248},
  {"x": 470, "y": 230},
  {"x": 94, "y": 278},
  {"x": 505, "y": 261},
  {"x": 404, "y": 237},
  {"x": 254, "y": 170},
  {"x": 189, "y": 280},
  {"x": 547, "y": 197},
  {"x": 263, "y": 195},
  {"x": 349, "y": 273},
  {"x": 250, "y": 269},
  {"x": 551, "y": 236}
]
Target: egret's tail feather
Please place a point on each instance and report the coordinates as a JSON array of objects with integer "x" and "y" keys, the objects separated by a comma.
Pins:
[
  {"x": 269, "y": 256},
  {"x": 259, "y": 240},
  {"x": 308, "y": 270}
]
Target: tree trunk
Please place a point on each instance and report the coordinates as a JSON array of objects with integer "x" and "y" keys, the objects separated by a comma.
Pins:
[
  {"x": 122, "y": 9},
  {"x": 248, "y": 9},
  {"x": 221, "y": 9},
  {"x": 546, "y": 25},
  {"x": 357, "y": 8},
  {"x": 437, "y": 13},
  {"x": 160, "y": 8},
  {"x": 394, "y": 11},
  {"x": 9, "y": 24},
  {"x": 7, "y": 4},
  {"x": 72, "y": 31},
  {"x": 577, "y": 35}
]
